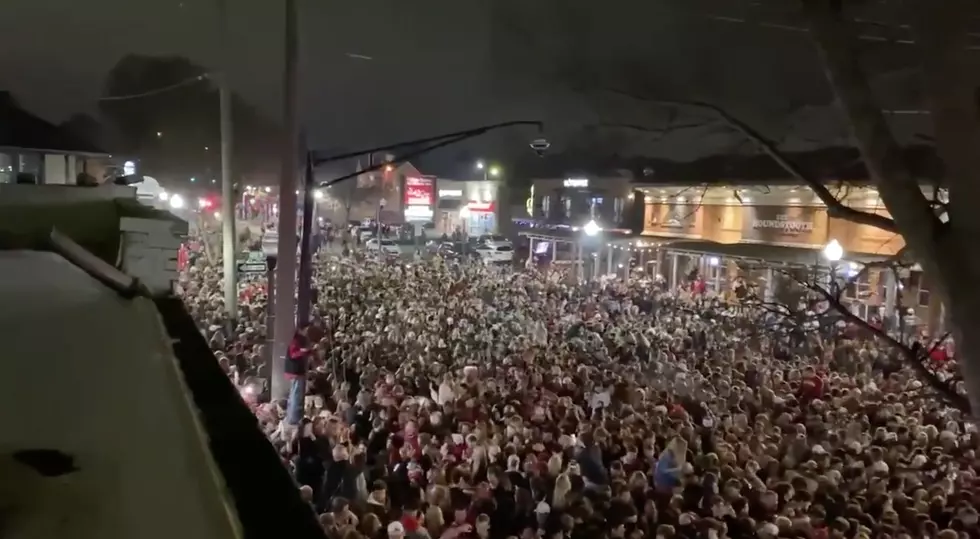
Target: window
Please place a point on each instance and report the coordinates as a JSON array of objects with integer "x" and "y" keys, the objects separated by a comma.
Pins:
[
  {"x": 924, "y": 297},
  {"x": 858, "y": 290},
  {"x": 7, "y": 173},
  {"x": 31, "y": 163},
  {"x": 504, "y": 249}
]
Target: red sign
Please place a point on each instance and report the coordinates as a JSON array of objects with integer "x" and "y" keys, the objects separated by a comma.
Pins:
[
  {"x": 480, "y": 206},
  {"x": 419, "y": 191}
]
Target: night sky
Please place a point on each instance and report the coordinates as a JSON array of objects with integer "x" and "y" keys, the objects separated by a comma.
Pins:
[{"x": 442, "y": 65}]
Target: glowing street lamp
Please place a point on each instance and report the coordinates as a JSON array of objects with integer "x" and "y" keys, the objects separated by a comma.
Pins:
[
  {"x": 591, "y": 228},
  {"x": 318, "y": 194},
  {"x": 833, "y": 251},
  {"x": 495, "y": 171},
  {"x": 480, "y": 165}
]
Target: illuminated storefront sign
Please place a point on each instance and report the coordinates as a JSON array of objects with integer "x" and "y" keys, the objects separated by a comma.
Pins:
[
  {"x": 480, "y": 206},
  {"x": 450, "y": 193},
  {"x": 783, "y": 223},
  {"x": 576, "y": 182},
  {"x": 419, "y": 191}
]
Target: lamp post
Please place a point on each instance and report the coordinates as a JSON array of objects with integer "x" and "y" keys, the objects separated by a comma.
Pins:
[
  {"x": 381, "y": 205},
  {"x": 488, "y": 171},
  {"x": 591, "y": 230},
  {"x": 833, "y": 252},
  {"x": 464, "y": 218}
]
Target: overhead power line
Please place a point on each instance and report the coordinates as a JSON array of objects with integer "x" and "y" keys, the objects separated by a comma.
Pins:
[{"x": 148, "y": 93}]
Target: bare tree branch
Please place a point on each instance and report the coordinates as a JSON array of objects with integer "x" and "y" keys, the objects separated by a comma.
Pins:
[
  {"x": 883, "y": 155},
  {"x": 653, "y": 130}
]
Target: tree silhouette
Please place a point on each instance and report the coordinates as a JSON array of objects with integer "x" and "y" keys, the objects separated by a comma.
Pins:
[
  {"x": 165, "y": 111},
  {"x": 85, "y": 128}
]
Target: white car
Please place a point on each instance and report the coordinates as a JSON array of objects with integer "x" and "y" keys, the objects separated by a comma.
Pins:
[
  {"x": 493, "y": 240},
  {"x": 495, "y": 254},
  {"x": 388, "y": 246}
]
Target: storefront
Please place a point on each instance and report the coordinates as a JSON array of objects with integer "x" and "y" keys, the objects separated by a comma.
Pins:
[
  {"x": 447, "y": 218},
  {"x": 721, "y": 243},
  {"x": 479, "y": 218},
  {"x": 468, "y": 207}
]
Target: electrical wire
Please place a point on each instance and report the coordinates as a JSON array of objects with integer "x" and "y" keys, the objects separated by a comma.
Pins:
[{"x": 185, "y": 82}]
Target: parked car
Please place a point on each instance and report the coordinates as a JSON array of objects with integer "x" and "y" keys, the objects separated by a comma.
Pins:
[
  {"x": 492, "y": 239},
  {"x": 495, "y": 254},
  {"x": 388, "y": 246},
  {"x": 451, "y": 250}
]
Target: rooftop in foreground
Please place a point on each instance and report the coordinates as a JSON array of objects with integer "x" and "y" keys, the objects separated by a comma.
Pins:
[{"x": 93, "y": 375}]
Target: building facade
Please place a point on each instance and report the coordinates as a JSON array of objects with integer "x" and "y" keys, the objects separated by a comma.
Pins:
[
  {"x": 574, "y": 201},
  {"x": 719, "y": 233},
  {"x": 468, "y": 207},
  {"x": 49, "y": 167}
]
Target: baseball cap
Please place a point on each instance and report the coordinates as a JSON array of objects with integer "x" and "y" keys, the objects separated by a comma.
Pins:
[{"x": 396, "y": 528}]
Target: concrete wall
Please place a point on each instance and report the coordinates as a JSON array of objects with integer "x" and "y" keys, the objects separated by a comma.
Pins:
[{"x": 61, "y": 194}]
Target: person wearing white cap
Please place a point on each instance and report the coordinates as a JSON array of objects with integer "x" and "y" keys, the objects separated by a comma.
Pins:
[{"x": 396, "y": 530}]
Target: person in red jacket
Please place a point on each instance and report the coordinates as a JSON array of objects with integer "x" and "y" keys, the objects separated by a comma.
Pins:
[{"x": 297, "y": 363}]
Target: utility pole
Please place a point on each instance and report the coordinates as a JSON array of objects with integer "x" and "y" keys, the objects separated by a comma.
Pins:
[
  {"x": 304, "y": 295},
  {"x": 228, "y": 232},
  {"x": 286, "y": 268}
]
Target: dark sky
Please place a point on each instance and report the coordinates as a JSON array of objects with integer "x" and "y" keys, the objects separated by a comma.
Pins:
[{"x": 447, "y": 64}]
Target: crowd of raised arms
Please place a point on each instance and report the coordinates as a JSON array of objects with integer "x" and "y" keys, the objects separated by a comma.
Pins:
[{"x": 457, "y": 401}]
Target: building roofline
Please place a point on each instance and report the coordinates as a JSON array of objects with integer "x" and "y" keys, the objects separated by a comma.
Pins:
[{"x": 61, "y": 152}]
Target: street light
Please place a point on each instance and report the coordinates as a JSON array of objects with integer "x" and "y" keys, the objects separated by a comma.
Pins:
[
  {"x": 318, "y": 194},
  {"x": 464, "y": 220},
  {"x": 268, "y": 189},
  {"x": 495, "y": 171},
  {"x": 833, "y": 251},
  {"x": 480, "y": 165},
  {"x": 591, "y": 228}
]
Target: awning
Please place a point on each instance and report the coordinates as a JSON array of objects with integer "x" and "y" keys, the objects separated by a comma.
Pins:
[
  {"x": 450, "y": 204},
  {"x": 801, "y": 256}
]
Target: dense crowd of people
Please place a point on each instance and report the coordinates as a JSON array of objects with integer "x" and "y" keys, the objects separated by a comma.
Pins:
[{"x": 452, "y": 400}]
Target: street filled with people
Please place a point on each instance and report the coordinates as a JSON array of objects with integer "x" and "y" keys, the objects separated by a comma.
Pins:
[{"x": 453, "y": 400}]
